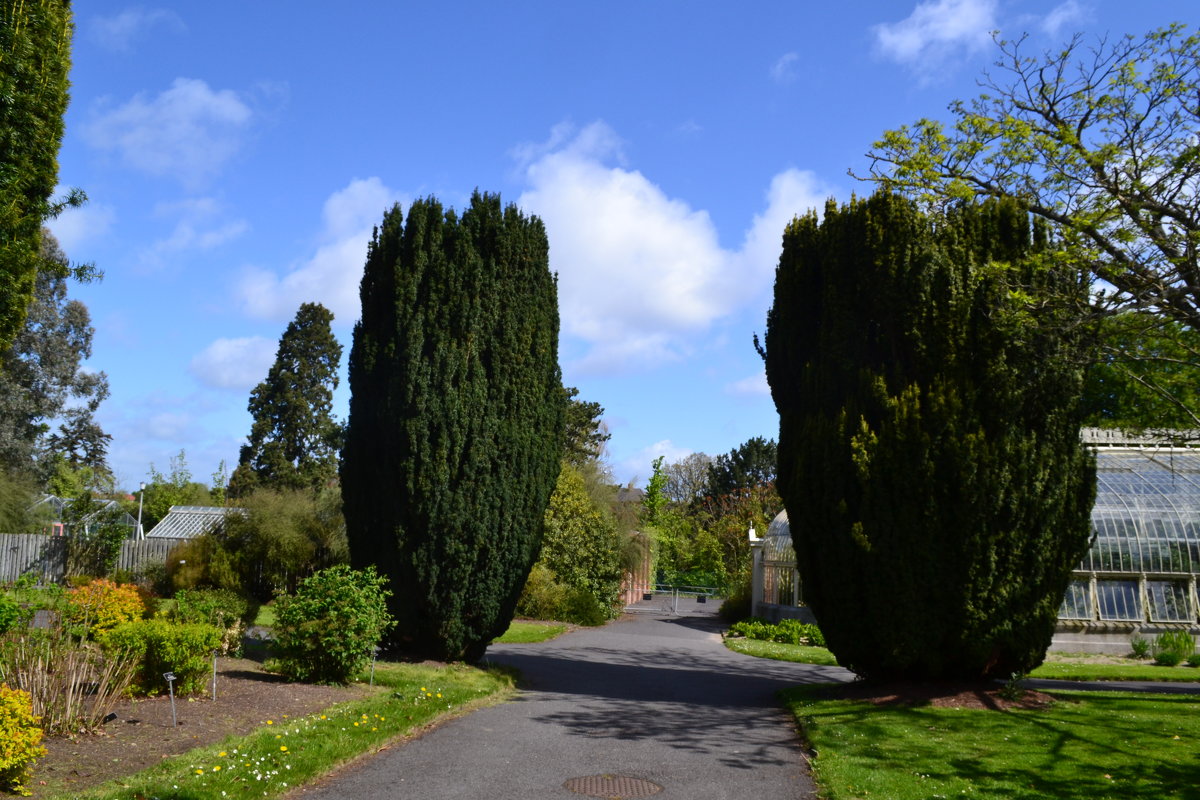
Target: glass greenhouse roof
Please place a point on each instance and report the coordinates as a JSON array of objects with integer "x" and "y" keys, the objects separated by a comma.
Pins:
[
  {"x": 777, "y": 544},
  {"x": 1147, "y": 512}
]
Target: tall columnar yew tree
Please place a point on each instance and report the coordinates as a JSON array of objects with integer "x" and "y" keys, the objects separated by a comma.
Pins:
[
  {"x": 927, "y": 373},
  {"x": 35, "y": 58},
  {"x": 456, "y": 418}
]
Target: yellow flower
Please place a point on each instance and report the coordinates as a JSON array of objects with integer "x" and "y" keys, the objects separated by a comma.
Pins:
[
  {"x": 283, "y": 748},
  {"x": 439, "y": 694},
  {"x": 422, "y": 688},
  {"x": 217, "y": 768},
  {"x": 356, "y": 724},
  {"x": 323, "y": 717},
  {"x": 269, "y": 722},
  {"x": 199, "y": 772}
]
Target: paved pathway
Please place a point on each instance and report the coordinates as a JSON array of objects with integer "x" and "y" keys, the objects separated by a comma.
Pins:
[{"x": 654, "y": 698}]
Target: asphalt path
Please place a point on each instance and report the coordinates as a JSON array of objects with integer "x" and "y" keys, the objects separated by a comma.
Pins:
[{"x": 647, "y": 701}]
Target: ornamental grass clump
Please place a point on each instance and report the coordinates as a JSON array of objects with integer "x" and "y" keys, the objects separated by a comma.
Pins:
[
  {"x": 1173, "y": 647},
  {"x": 328, "y": 630},
  {"x": 72, "y": 684},
  {"x": 20, "y": 739}
]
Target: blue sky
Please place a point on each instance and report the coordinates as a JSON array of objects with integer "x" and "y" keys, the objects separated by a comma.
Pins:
[{"x": 236, "y": 156}]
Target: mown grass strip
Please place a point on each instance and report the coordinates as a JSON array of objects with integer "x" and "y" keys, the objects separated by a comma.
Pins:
[
  {"x": 1133, "y": 671},
  {"x": 521, "y": 632},
  {"x": 803, "y": 654},
  {"x": 1087, "y": 745},
  {"x": 285, "y": 753}
]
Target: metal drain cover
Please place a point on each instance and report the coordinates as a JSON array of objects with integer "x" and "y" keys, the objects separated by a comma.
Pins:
[{"x": 612, "y": 787}]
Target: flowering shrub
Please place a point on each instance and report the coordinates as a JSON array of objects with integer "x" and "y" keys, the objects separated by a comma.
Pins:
[
  {"x": 160, "y": 646},
  {"x": 327, "y": 631},
  {"x": 102, "y": 605},
  {"x": 20, "y": 739}
]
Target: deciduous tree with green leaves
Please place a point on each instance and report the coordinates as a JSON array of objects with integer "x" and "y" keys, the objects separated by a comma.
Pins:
[
  {"x": 927, "y": 372},
  {"x": 294, "y": 439},
  {"x": 456, "y": 423},
  {"x": 1100, "y": 139}
]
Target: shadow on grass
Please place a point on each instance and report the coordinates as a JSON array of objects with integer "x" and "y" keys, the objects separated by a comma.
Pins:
[{"x": 1084, "y": 746}]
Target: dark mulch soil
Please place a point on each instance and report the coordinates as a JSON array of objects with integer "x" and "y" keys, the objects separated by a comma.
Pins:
[
  {"x": 142, "y": 734},
  {"x": 941, "y": 695}
]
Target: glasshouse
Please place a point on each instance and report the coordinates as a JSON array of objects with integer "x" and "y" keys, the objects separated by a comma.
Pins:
[{"x": 1139, "y": 576}]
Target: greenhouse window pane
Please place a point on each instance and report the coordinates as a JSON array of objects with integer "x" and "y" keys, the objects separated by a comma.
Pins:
[
  {"x": 1078, "y": 602},
  {"x": 1168, "y": 601},
  {"x": 1118, "y": 600},
  {"x": 783, "y": 594}
]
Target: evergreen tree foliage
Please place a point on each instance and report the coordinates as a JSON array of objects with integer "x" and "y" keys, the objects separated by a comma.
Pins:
[
  {"x": 586, "y": 434},
  {"x": 581, "y": 545},
  {"x": 35, "y": 59},
  {"x": 927, "y": 373},
  {"x": 294, "y": 439},
  {"x": 456, "y": 418},
  {"x": 750, "y": 464},
  {"x": 42, "y": 380}
]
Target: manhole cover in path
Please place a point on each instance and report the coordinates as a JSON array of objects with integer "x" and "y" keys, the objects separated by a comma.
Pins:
[{"x": 612, "y": 787}]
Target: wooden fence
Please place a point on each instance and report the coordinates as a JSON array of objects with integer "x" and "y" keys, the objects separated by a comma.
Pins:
[{"x": 46, "y": 556}]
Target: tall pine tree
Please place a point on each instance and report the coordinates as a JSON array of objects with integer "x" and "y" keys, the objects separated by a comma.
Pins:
[
  {"x": 456, "y": 418},
  {"x": 294, "y": 439},
  {"x": 927, "y": 373}
]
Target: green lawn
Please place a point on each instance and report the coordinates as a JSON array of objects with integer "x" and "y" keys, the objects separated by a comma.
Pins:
[
  {"x": 1088, "y": 745},
  {"x": 1080, "y": 670},
  {"x": 288, "y": 753},
  {"x": 782, "y": 652},
  {"x": 521, "y": 632}
]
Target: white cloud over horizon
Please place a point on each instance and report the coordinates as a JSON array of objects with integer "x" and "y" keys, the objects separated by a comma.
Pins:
[
  {"x": 331, "y": 275},
  {"x": 641, "y": 273},
  {"x": 937, "y": 30},
  {"x": 238, "y": 364},
  {"x": 187, "y": 132},
  {"x": 118, "y": 31}
]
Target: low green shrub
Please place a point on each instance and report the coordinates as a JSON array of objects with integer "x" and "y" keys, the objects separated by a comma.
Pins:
[
  {"x": 546, "y": 598},
  {"x": 20, "y": 739},
  {"x": 160, "y": 646},
  {"x": 1173, "y": 647},
  {"x": 1194, "y": 660},
  {"x": 223, "y": 608},
  {"x": 327, "y": 631},
  {"x": 787, "y": 631},
  {"x": 10, "y": 613}
]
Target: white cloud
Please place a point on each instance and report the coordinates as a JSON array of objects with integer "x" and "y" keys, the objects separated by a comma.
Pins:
[
  {"x": 753, "y": 386},
  {"x": 640, "y": 274},
  {"x": 784, "y": 70},
  {"x": 1068, "y": 13},
  {"x": 332, "y": 274},
  {"x": 75, "y": 227},
  {"x": 118, "y": 31},
  {"x": 238, "y": 364},
  {"x": 187, "y": 132},
  {"x": 199, "y": 226},
  {"x": 936, "y": 29}
]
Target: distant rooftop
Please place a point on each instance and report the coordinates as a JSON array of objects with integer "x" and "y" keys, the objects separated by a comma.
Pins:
[{"x": 188, "y": 522}]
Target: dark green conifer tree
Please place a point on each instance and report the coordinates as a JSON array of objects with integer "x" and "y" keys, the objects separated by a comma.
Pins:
[
  {"x": 294, "y": 439},
  {"x": 456, "y": 418},
  {"x": 35, "y": 59},
  {"x": 927, "y": 373}
]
